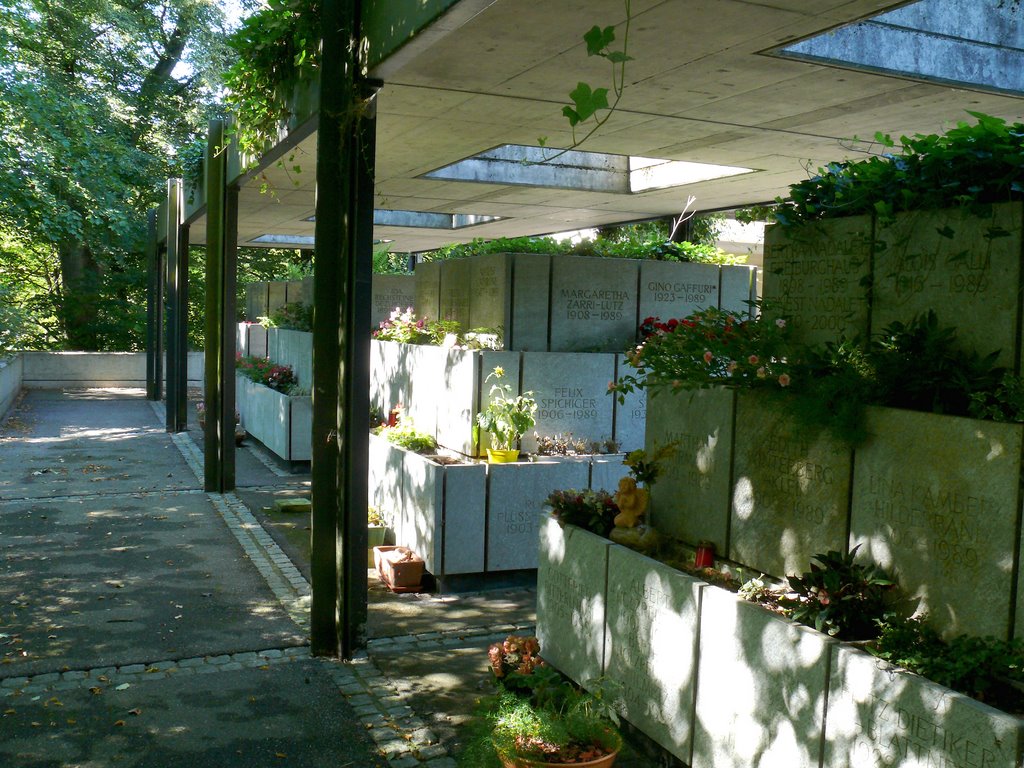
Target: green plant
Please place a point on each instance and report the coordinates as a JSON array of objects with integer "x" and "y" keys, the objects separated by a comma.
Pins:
[
  {"x": 969, "y": 166},
  {"x": 1004, "y": 402},
  {"x": 709, "y": 347},
  {"x": 507, "y": 417},
  {"x": 644, "y": 467},
  {"x": 401, "y": 432},
  {"x": 404, "y": 327},
  {"x": 294, "y": 316},
  {"x": 838, "y": 596},
  {"x": 593, "y": 510},
  {"x": 976, "y": 666}
]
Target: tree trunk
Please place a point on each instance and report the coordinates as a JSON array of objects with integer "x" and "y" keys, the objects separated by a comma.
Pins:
[{"x": 80, "y": 281}]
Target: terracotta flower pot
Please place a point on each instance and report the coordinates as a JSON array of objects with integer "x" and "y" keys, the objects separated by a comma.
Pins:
[
  {"x": 495, "y": 456},
  {"x": 513, "y": 761}
]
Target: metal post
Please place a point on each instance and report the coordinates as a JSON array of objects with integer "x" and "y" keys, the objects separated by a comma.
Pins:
[
  {"x": 221, "y": 236},
  {"x": 340, "y": 326},
  {"x": 177, "y": 311}
]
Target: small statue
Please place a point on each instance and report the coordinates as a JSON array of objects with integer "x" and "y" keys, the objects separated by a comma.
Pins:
[{"x": 632, "y": 503}]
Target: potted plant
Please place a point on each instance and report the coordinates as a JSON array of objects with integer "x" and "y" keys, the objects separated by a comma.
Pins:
[
  {"x": 539, "y": 718},
  {"x": 506, "y": 418}
]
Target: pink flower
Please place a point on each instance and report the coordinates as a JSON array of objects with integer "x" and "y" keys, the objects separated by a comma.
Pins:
[
  {"x": 708, "y": 357},
  {"x": 753, "y": 359},
  {"x": 761, "y": 372},
  {"x": 611, "y": 386},
  {"x": 780, "y": 323},
  {"x": 784, "y": 380},
  {"x": 731, "y": 367}
]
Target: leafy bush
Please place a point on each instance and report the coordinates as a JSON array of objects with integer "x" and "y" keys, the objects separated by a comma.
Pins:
[
  {"x": 294, "y": 316},
  {"x": 507, "y": 417},
  {"x": 970, "y": 165},
  {"x": 838, "y": 596},
  {"x": 404, "y": 434},
  {"x": 976, "y": 666}
]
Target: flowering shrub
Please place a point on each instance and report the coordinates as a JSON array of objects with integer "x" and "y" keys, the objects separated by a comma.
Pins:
[
  {"x": 709, "y": 347},
  {"x": 403, "y": 326},
  {"x": 514, "y": 654},
  {"x": 263, "y": 371},
  {"x": 593, "y": 510}
]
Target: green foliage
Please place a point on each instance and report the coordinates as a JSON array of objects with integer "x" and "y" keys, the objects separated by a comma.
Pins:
[
  {"x": 1003, "y": 402},
  {"x": 507, "y": 416},
  {"x": 277, "y": 49},
  {"x": 593, "y": 510},
  {"x": 838, "y": 596},
  {"x": 975, "y": 666},
  {"x": 918, "y": 365},
  {"x": 405, "y": 435},
  {"x": 644, "y": 467},
  {"x": 13, "y": 324},
  {"x": 969, "y": 166},
  {"x": 294, "y": 316}
]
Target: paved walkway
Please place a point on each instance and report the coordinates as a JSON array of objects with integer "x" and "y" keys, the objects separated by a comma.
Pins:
[{"x": 144, "y": 622}]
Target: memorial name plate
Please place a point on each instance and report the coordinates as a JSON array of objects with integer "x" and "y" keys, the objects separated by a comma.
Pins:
[{"x": 593, "y": 304}]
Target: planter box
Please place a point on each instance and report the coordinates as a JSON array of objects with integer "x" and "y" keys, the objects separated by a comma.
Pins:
[
  {"x": 882, "y": 717},
  {"x": 282, "y": 423},
  {"x": 398, "y": 567},
  {"x": 251, "y": 340}
]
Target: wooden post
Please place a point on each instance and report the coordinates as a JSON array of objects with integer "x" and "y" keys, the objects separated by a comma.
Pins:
[
  {"x": 154, "y": 312},
  {"x": 344, "y": 219},
  {"x": 177, "y": 311},
  {"x": 221, "y": 239}
]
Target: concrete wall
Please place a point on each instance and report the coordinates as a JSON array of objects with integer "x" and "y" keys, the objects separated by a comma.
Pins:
[
  {"x": 10, "y": 382},
  {"x": 57, "y": 370}
]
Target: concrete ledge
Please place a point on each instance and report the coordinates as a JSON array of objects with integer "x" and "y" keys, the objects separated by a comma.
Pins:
[
  {"x": 59, "y": 370},
  {"x": 10, "y": 382}
]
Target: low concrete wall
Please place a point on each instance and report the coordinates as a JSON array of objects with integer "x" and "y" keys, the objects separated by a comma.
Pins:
[
  {"x": 10, "y": 382},
  {"x": 57, "y": 370}
]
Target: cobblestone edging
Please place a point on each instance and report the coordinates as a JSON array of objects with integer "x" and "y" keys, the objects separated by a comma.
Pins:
[{"x": 105, "y": 678}]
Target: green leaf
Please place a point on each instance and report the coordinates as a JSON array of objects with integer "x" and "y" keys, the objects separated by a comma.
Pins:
[
  {"x": 598, "y": 39},
  {"x": 570, "y": 113},
  {"x": 618, "y": 57},
  {"x": 587, "y": 101},
  {"x": 945, "y": 231}
]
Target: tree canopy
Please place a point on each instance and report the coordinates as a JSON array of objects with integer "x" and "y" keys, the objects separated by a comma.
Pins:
[{"x": 95, "y": 97}]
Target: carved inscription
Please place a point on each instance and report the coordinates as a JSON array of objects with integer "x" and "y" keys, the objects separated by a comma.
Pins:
[
  {"x": 567, "y": 402},
  {"x": 695, "y": 458},
  {"x": 895, "y": 735},
  {"x": 962, "y": 274},
  {"x": 701, "y": 293},
  {"x": 563, "y": 593},
  {"x": 637, "y": 628},
  {"x": 485, "y": 280},
  {"x": 947, "y": 521},
  {"x": 819, "y": 288},
  {"x": 517, "y": 522},
  {"x": 795, "y": 486},
  {"x": 594, "y": 303},
  {"x": 390, "y": 299}
]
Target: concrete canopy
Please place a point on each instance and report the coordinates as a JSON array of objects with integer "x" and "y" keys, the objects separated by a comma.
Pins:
[{"x": 704, "y": 87}]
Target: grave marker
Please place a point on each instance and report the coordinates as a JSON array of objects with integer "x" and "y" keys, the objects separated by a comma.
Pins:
[
  {"x": 593, "y": 304},
  {"x": 571, "y": 390}
]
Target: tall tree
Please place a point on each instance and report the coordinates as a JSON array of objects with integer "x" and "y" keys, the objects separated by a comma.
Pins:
[{"x": 95, "y": 95}]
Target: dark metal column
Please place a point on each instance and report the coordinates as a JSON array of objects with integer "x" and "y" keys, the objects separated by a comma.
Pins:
[
  {"x": 177, "y": 311},
  {"x": 341, "y": 328},
  {"x": 221, "y": 238},
  {"x": 154, "y": 313}
]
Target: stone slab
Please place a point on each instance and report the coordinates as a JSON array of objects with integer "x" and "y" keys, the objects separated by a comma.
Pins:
[
  {"x": 456, "y": 287},
  {"x": 530, "y": 320},
  {"x": 426, "y": 366},
  {"x": 936, "y": 501},
  {"x": 739, "y": 289},
  {"x": 677, "y": 290},
  {"x": 651, "y": 646},
  {"x": 490, "y": 296},
  {"x": 421, "y": 517},
  {"x": 593, "y": 304},
  {"x": 465, "y": 498},
  {"x": 306, "y": 295},
  {"x": 815, "y": 275},
  {"x": 300, "y": 428},
  {"x": 255, "y": 301},
  {"x": 762, "y": 683},
  {"x": 294, "y": 291},
  {"x": 968, "y": 278},
  {"x": 391, "y": 292},
  {"x": 277, "y": 295},
  {"x": 10, "y": 382},
  {"x": 455, "y": 400},
  {"x": 386, "y": 481},
  {"x": 294, "y": 349},
  {"x": 880, "y": 717},
  {"x": 251, "y": 340},
  {"x": 691, "y": 499},
  {"x": 606, "y": 471},
  {"x": 428, "y": 290},
  {"x": 516, "y": 495},
  {"x": 631, "y": 414},
  {"x": 571, "y": 390},
  {"x": 390, "y": 383},
  {"x": 571, "y": 599},
  {"x": 790, "y": 491}
]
